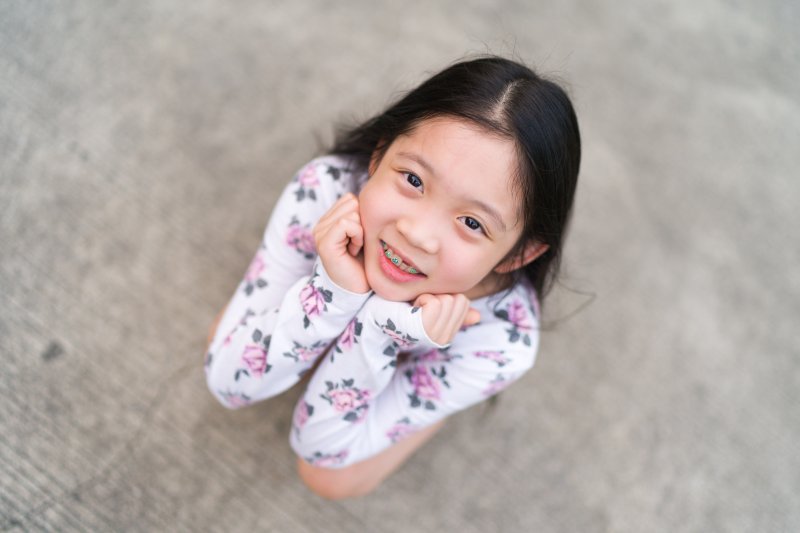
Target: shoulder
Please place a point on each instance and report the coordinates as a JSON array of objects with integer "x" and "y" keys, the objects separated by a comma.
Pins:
[
  {"x": 328, "y": 174},
  {"x": 518, "y": 309}
]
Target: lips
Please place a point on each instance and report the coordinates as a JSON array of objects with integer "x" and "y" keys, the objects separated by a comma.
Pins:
[{"x": 399, "y": 261}]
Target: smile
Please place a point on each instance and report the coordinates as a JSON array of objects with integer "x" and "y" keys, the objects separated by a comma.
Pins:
[{"x": 397, "y": 261}]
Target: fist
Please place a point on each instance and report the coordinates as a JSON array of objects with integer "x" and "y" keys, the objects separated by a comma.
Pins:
[
  {"x": 339, "y": 238},
  {"x": 444, "y": 314}
]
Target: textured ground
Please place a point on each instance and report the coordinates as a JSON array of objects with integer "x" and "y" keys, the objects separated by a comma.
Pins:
[{"x": 142, "y": 145}]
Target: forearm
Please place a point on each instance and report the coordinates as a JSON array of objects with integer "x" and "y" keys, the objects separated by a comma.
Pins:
[
  {"x": 335, "y": 422},
  {"x": 265, "y": 353}
]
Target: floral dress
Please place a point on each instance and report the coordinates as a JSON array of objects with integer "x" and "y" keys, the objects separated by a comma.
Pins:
[{"x": 363, "y": 398}]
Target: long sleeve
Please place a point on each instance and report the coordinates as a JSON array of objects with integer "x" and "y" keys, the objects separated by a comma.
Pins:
[
  {"x": 286, "y": 311},
  {"x": 361, "y": 401}
]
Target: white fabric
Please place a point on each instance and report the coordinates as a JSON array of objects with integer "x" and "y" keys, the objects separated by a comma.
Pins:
[{"x": 287, "y": 313}]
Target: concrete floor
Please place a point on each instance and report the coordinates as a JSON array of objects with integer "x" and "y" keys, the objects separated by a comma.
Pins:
[{"x": 142, "y": 146}]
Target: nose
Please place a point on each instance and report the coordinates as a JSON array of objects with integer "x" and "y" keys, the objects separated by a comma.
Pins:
[{"x": 419, "y": 233}]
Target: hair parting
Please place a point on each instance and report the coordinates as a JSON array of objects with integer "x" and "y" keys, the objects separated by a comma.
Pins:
[{"x": 508, "y": 99}]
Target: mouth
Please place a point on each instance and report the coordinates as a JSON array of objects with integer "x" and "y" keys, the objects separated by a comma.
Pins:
[{"x": 400, "y": 262}]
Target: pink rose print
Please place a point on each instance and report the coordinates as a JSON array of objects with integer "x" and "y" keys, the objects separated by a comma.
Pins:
[
  {"x": 255, "y": 269},
  {"x": 308, "y": 176},
  {"x": 349, "y": 336},
  {"x": 327, "y": 460},
  {"x": 517, "y": 315},
  {"x": 430, "y": 355},
  {"x": 255, "y": 357},
  {"x": 252, "y": 278},
  {"x": 397, "y": 337},
  {"x": 427, "y": 385},
  {"x": 424, "y": 384},
  {"x": 345, "y": 398},
  {"x": 308, "y": 180},
  {"x": 313, "y": 301},
  {"x": 301, "y": 414},
  {"x": 497, "y": 357},
  {"x": 235, "y": 400},
  {"x": 306, "y": 353},
  {"x": 301, "y": 239},
  {"x": 498, "y": 384},
  {"x": 400, "y": 340},
  {"x": 401, "y": 429}
]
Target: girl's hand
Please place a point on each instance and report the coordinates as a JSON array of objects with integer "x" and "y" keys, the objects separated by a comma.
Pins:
[
  {"x": 339, "y": 237},
  {"x": 444, "y": 314}
]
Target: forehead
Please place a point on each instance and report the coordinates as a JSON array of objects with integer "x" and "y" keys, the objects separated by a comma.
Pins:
[{"x": 464, "y": 161}]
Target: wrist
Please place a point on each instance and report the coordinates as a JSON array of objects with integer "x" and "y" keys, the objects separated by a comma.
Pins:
[
  {"x": 399, "y": 323},
  {"x": 327, "y": 279}
]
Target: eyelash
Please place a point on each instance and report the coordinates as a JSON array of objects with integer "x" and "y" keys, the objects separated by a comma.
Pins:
[
  {"x": 419, "y": 186},
  {"x": 479, "y": 228}
]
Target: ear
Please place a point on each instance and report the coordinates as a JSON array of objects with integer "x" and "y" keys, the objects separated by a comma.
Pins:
[{"x": 532, "y": 251}]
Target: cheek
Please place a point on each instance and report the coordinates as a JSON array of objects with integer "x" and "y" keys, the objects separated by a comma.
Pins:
[
  {"x": 470, "y": 265},
  {"x": 461, "y": 265},
  {"x": 378, "y": 205},
  {"x": 368, "y": 208}
]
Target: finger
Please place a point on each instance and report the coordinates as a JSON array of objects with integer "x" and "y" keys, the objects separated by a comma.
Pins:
[
  {"x": 346, "y": 211},
  {"x": 341, "y": 208},
  {"x": 439, "y": 321},
  {"x": 332, "y": 219},
  {"x": 422, "y": 299},
  {"x": 430, "y": 308},
  {"x": 356, "y": 235},
  {"x": 472, "y": 318},
  {"x": 458, "y": 315},
  {"x": 341, "y": 235},
  {"x": 457, "y": 312},
  {"x": 447, "y": 315}
]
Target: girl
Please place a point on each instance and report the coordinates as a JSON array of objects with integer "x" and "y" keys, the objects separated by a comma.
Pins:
[{"x": 402, "y": 272}]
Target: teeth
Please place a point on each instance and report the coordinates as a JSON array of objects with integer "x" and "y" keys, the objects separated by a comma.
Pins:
[{"x": 397, "y": 261}]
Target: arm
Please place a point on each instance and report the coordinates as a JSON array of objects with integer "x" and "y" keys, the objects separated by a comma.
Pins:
[
  {"x": 360, "y": 401},
  {"x": 286, "y": 310}
]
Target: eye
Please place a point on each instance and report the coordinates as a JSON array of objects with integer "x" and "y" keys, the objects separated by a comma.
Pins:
[
  {"x": 472, "y": 224},
  {"x": 413, "y": 179}
]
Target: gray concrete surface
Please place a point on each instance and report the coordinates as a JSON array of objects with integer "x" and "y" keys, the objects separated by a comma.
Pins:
[{"x": 141, "y": 148}]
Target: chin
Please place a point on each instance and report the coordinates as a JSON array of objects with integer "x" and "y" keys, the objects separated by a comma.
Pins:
[{"x": 391, "y": 292}]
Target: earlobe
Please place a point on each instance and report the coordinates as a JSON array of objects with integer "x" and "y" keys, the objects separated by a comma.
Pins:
[{"x": 532, "y": 251}]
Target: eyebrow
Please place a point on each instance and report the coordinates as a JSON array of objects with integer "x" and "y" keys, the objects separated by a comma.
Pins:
[{"x": 489, "y": 210}]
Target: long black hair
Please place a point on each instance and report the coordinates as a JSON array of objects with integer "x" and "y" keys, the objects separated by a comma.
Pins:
[{"x": 507, "y": 99}]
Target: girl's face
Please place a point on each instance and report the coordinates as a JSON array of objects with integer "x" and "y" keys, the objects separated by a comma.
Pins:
[{"x": 439, "y": 212}]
